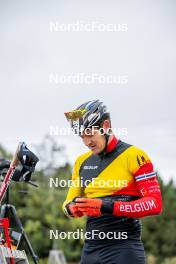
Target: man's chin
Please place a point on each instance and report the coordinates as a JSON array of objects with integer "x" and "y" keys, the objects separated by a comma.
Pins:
[{"x": 96, "y": 151}]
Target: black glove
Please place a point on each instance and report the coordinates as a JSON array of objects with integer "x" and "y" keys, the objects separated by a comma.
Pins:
[
  {"x": 4, "y": 164},
  {"x": 24, "y": 170},
  {"x": 28, "y": 162}
]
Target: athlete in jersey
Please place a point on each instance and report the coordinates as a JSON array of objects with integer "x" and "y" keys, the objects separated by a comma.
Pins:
[{"x": 114, "y": 187}]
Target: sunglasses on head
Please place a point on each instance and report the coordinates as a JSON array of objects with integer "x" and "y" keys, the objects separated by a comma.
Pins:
[{"x": 75, "y": 114}]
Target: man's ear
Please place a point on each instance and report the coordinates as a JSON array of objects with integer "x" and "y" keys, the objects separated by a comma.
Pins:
[{"x": 106, "y": 124}]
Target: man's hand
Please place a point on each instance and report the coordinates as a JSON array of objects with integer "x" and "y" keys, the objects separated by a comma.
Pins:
[
  {"x": 94, "y": 207},
  {"x": 71, "y": 209},
  {"x": 89, "y": 207}
]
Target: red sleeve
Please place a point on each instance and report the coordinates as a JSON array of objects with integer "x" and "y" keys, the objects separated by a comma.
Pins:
[{"x": 150, "y": 200}]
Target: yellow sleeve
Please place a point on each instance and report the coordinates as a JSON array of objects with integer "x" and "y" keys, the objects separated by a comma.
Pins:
[
  {"x": 75, "y": 189},
  {"x": 139, "y": 161}
]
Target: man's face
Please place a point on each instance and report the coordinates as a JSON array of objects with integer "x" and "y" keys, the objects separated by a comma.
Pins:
[{"x": 93, "y": 139}]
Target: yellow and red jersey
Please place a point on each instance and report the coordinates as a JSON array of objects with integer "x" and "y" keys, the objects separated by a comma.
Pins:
[
  {"x": 115, "y": 173},
  {"x": 124, "y": 174}
]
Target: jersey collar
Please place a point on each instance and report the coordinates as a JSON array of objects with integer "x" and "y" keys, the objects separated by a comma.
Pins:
[{"x": 111, "y": 146}]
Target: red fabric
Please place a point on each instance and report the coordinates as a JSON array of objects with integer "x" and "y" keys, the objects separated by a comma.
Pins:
[
  {"x": 89, "y": 207},
  {"x": 112, "y": 144},
  {"x": 75, "y": 211},
  {"x": 149, "y": 204},
  {"x": 130, "y": 189},
  {"x": 145, "y": 168}
]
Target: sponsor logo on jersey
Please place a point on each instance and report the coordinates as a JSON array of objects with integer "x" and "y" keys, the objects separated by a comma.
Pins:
[
  {"x": 141, "y": 160},
  {"x": 90, "y": 167}
]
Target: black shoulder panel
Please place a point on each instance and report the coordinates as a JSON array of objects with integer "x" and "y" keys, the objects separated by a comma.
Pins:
[{"x": 95, "y": 164}]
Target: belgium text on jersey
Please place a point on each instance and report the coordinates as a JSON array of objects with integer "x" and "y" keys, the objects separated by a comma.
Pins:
[{"x": 138, "y": 207}]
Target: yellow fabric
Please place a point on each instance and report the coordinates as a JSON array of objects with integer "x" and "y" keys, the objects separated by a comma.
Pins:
[
  {"x": 133, "y": 164},
  {"x": 120, "y": 171},
  {"x": 76, "y": 191}
]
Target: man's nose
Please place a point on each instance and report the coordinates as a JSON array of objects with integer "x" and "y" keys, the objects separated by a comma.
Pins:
[{"x": 88, "y": 142}]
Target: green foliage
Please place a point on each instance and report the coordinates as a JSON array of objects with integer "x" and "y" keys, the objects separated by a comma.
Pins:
[
  {"x": 159, "y": 234},
  {"x": 4, "y": 153}
]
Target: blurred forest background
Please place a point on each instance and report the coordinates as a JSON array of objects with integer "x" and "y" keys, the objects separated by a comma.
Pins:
[{"x": 41, "y": 211}]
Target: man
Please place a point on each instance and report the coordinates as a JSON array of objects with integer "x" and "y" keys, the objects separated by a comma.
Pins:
[{"x": 116, "y": 186}]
